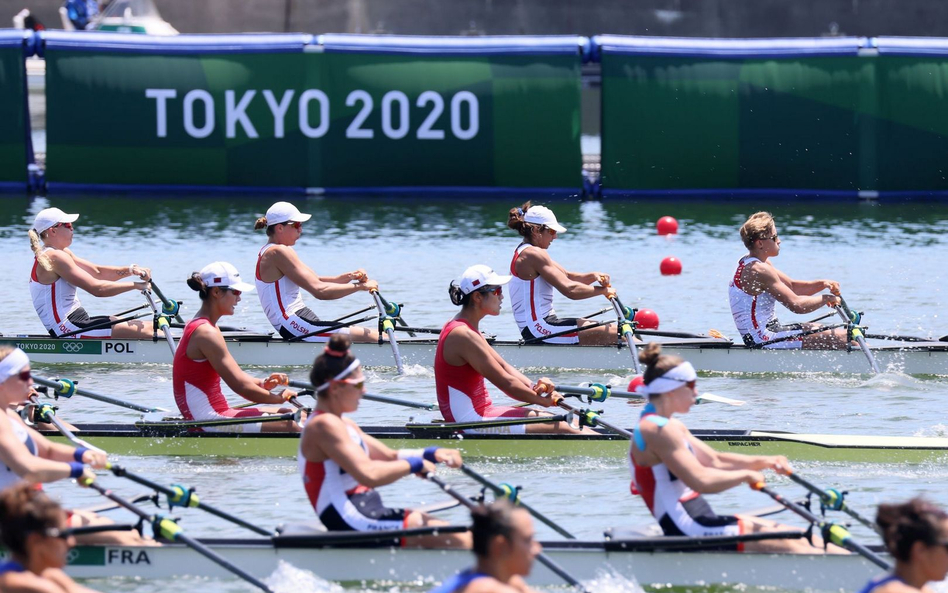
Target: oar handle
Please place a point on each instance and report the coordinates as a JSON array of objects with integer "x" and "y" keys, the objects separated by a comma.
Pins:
[
  {"x": 67, "y": 388},
  {"x": 171, "y": 305}
]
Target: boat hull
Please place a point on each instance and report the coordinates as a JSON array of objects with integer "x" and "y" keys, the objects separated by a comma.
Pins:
[
  {"x": 128, "y": 440},
  {"x": 587, "y": 561},
  {"x": 925, "y": 358}
]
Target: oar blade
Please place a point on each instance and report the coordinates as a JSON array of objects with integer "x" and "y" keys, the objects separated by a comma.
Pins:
[{"x": 720, "y": 399}]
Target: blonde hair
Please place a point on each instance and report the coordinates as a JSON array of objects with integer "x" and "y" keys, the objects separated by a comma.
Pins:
[
  {"x": 656, "y": 363},
  {"x": 756, "y": 227},
  {"x": 37, "y": 246},
  {"x": 5, "y": 351}
]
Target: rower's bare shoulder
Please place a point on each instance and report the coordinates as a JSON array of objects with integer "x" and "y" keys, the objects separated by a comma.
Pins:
[
  {"x": 490, "y": 585},
  {"x": 897, "y": 586},
  {"x": 27, "y": 582}
]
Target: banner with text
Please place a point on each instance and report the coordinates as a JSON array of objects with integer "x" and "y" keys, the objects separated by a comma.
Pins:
[{"x": 16, "y": 151}]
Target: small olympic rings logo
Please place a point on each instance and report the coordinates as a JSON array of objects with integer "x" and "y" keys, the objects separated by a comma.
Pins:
[{"x": 73, "y": 347}]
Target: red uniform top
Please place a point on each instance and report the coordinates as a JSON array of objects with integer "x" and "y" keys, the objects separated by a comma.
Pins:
[
  {"x": 460, "y": 386},
  {"x": 197, "y": 386}
]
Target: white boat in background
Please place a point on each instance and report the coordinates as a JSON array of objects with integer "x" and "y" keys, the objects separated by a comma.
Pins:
[
  {"x": 126, "y": 16},
  {"x": 709, "y": 355}
]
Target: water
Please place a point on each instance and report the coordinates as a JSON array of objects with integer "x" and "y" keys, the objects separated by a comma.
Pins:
[{"x": 888, "y": 258}]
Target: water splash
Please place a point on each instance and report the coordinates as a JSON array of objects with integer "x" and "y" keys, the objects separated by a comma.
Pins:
[
  {"x": 287, "y": 578},
  {"x": 889, "y": 380},
  {"x": 610, "y": 581}
]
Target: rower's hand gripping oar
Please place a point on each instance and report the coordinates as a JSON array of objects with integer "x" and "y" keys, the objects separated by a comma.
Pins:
[
  {"x": 179, "y": 496},
  {"x": 387, "y": 326},
  {"x": 830, "y": 531},
  {"x": 853, "y": 320},
  {"x": 599, "y": 392},
  {"x": 834, "y": 500},
  {"x": 394, "y": 310},
  {"x": 47, "y": 413},
  {"x": 541, "y": 557},
  {"x": 171, "y": 531},
  {"x": 67, "y": 388},
  {"x": 626, "y": 323},
  {"x": 160, "y": 322},
  {"x": 170, "y": 307},
  {"x": 375, "y": 398}
]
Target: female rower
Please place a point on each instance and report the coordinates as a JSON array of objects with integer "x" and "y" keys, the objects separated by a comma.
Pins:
[
  {"x": 202, "y": 360},
  {"x": 916, "y": 534},
  {"x": 672, "y": 470},
  {"x": 341, "y": 465},
  {"x": 33, "y": 531},
  {"x": 28, "y": 457},
  {"x": 280, "y": 275},
  {"x": 535, "y": 275},
  {"x": 464, "y": 359},
  {"x": 57, "y": 272}
]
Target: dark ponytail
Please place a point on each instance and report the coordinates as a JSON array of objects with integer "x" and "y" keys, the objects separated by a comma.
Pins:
[
  {"x": 196, "y": 284},
  {"x": 457, "y": 295},
  {"x": 516, "y": 222},
  {"x": 261, "y": 223},
  {"x": 334, "y": 359}
]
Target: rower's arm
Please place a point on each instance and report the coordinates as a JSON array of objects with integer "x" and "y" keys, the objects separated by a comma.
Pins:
[
  {"x": 335, "y": 443},
  {"x": 49, "y": 450},
  {"x": 289, "y": 263},
  {"x": 560, "y": 279},
  {"x": 378, "y": 449},
  {"x": 210, "y": 344},
  {"x": 735, "y": 461},
  {"x": 66, "y": 267},
  {"x": 769, "y": 280},
  {"x": 15, "y": 455},
  {"x": 477, "y": 352},
  {"x": 668, "y": 445},
  {"x": 356, "y": 275},
  {"x": 111, "y": 273},
  {"x": 66, "y": 584}
]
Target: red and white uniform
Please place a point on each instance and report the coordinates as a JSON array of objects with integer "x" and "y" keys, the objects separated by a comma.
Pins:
[
  {"x": 59, "y": 308},
  {"x": 678, "y": 509},
  {"x": 462, "y": 394},
  {"x": 283, "y": 304},
  {"x": 755, "y": 315},
  {"x": 532, "y": 303},
  {"x": 197, "y": 388},
  {"x": 340, "y": 502}
]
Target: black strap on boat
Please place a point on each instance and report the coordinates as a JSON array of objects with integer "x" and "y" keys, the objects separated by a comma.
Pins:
[
  {"x": 802, "y": 334},
  {"x": 571, "y": 330}
]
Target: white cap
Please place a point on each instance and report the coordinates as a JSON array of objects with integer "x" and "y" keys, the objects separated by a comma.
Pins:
[
  {"x": 543, "y": 215},
  {"x": 480, "y": 276},
  {"x": 285, "y": 212},
  {"x": 51, "y": 217},
  {"x": 224, "y": 275}
]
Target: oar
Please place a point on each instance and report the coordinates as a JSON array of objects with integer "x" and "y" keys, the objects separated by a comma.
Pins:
[
  {"x": 421, "y": 330},
  {"x": 833, "y": 500},
  {"x": 354, "y": 313},
  {"x": 386, "y": 326},
  {"x": 837, "y": 534},
  {"x": 132, "y": 310},
  {"x": 185, "y": 497},
  {"x": 493, "y": 423},
  {"x": 171, "y": 531},
  {"x": 600, "y": 392},
  {"x": 508, "y": 491},
  {"x": 898, "y": 338},
  {"x": 330, "y": 327},
  {"x": 542, "y": 557},
  {"x": 802, "y": 334},
  {"x": 182, "y": 424},
  {"x": 160, "y": 323},
  {"x": 171, "y": 307},
  {"x": 67, "y": 388},
  {"x": 572, "y": 330},
  {"x": 668, "y": 334},
  {"x": 627, "y": 330},
  {"x": 47, "y": 413},
  {"x": 597, "y": 313},
  {"x": 822, "y": 317},
  {"x": 375, "y": 398},
  {"x": 849, "y": 317},
  {"x": 395, "y": 311},
  {"x": 593, "y": 419},
  {"x": 102, "y": 325}
]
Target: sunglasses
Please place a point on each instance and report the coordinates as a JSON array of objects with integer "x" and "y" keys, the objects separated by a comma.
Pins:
[
  {"x": 358, "y": 384},
  {"x": 57, "y": 533},
  {"x": 24, "y": 375},
  {"x": 494, "y": 290},
  {"x": 691, "y": 384},
  {"x": 68, "y": 225},
  {"x": 773, "y": 238},
  {"x": 295, "y": 225},
  {"x": 235, "y": 291}
]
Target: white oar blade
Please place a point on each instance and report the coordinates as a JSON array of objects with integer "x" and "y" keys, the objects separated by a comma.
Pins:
[{"x": 720, "y": 399}]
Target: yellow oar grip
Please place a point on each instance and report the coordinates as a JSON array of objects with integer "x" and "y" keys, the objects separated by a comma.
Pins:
[{"x": 169, "y": 529}]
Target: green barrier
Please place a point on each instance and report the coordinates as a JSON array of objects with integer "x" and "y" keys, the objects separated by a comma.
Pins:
[
  {"x": 683, "y": 122},
  {"x": 15, "y": 148}
]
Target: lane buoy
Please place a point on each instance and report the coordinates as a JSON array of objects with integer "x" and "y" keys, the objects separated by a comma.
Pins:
[
  {"x": 636, "y": 383},
  {"x": 667, "y": 225},
  {"x": 646, "y": 319},
  {"x": 670, "y": 266}
]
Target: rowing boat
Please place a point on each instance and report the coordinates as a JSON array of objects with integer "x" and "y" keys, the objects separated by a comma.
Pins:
[
  {"x": 131, "y": 439},
  {"x": 643, "y": 559},
  {"x": 710, "y": 355}
]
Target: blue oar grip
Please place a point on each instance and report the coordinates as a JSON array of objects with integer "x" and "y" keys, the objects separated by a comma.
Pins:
[
  {"x": 45, "y": 413},
  {"x": 833, "y": 500},
  {"x": 628, "y": 313},
  {"x": 393, "y": 309},
  {"x": 66, "y": 388},
  {"x": 601, "y": 392},
  {"x": 183, "y": 497},
  {"x": 511, "y": 493},
  {"x": 170, "y": 308}
]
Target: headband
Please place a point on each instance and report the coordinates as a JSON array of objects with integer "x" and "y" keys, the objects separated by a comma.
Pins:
[
  {"x": 673, "y": 379},
  {"x": 345, "y": 373},
  {"x": 12, "y": 364}
]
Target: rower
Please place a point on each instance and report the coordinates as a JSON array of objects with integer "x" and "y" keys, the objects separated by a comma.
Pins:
[
  {"x": 342, "y": 466},
  {"x": 757, "y": 285},
  {"x": 672, "y": 470},
  {"x": 916, "y": 535},
  {"x": 535, "y": 275},
  {"x": 33, "y": 532},
  {"x": 505, "y": 547},
  {"x": 280, "y": 275},
  {"x": 57, "y": 272},
  {"x": 464, "y": 359},
  {"x": 202, "y": 360},
  {"x": 28, "y": 457}
]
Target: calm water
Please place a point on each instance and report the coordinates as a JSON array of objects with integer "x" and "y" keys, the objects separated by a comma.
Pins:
[{"x": 889, "y": 258}]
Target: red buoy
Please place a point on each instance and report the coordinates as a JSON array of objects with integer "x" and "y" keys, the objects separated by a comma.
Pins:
[
  {"x": 667, "y": 225},
  {"x": 646, "y": 319},
  {"x": 670, "y": 266},
  {"x": 635, "y": 384}
]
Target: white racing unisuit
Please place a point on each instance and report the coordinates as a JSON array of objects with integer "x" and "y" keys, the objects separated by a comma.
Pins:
[{"x": 710, "y": 355}]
